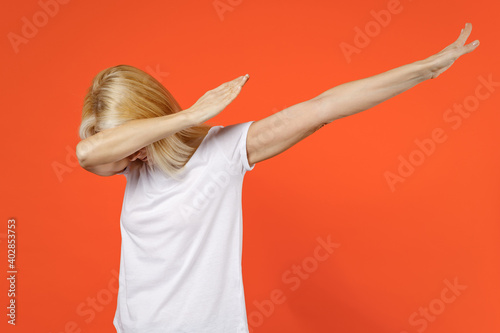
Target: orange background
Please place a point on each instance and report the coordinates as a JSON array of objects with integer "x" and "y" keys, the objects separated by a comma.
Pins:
[{"x": 397, "y": 248}]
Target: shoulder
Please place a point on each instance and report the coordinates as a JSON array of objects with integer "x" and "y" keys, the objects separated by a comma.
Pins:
[
  {"x": 230, "y": 133},
  {"x": 231, "y": 142}
]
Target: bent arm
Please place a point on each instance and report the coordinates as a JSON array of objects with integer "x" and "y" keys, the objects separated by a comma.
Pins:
[
  {"x": 115, "y": 144},
  {"x": 106, "y": 152}
]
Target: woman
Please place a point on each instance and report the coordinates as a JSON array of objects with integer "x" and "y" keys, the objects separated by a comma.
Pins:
[{"x": 181, "y": 219}]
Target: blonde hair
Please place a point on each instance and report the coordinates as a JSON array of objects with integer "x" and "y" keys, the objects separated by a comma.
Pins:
[{"x": 122, "y": 93}]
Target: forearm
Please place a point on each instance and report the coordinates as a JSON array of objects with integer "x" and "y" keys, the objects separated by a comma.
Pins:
[
  {"x": 114, "y": 144},
  {"x": 356, "y": 96}
]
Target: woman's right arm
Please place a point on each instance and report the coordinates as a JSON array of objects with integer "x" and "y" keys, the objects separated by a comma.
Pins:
[
  {"x": 111, "y": 147},
  {"x": 106, "y": 152}
]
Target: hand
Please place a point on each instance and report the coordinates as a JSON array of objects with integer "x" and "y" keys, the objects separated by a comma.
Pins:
[
  {"x": 443, "y": 60},
  {"x": 216, "y": 100}
]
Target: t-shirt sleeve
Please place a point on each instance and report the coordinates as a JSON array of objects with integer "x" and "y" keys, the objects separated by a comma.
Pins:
[{"x": 232, "y": 140}]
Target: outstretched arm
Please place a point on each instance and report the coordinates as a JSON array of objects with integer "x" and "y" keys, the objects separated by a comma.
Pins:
[{"x": 274, "y": 134}]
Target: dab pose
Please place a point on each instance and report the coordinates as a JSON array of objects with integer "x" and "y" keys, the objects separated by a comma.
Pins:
[{"x": 181, "y": 218}]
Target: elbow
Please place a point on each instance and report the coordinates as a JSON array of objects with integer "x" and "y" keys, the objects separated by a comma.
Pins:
[
  {"x": 323, "y": 112},
  {"x": 332, "y": 108},
  {"x": 81, "y": 154},
  {"x": 319, "y": 126}
]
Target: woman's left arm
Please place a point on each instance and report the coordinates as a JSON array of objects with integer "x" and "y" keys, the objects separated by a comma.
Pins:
[{"x": 274, "y": 134}]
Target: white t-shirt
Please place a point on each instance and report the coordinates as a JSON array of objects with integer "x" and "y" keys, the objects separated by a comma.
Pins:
[{"x": 180, "y": 264}]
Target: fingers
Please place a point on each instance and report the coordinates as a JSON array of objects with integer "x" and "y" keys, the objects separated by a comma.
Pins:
[
  {"x": 464, "y": 34},
  {"x": 245, "y": 78},
  {"x": 241, "y": 80},
  {"x": 238, "y": 83},
  {"x": 235, "y": 83},
  {"x": 470, "y": 47},
  {"x": 458, "y": 45}
]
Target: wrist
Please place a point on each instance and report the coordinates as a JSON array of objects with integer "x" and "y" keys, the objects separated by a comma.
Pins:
[
  {"x": 424, "y": 68},
  {"x": 190, "y": 117}
]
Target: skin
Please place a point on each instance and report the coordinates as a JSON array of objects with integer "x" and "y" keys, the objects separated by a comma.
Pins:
[
  {"x": 303, "y": 119},
  {"x": 110, "y": 151},
  {"x": 139, "y": 155}
]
